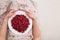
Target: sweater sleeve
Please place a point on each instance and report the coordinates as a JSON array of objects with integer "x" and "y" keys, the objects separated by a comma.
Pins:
[
  {"x": 14, "y": 5},
  {"x": 4, "y": 6}
]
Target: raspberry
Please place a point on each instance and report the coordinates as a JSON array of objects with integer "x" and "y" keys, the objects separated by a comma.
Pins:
[{"x": 20, "y": 23}]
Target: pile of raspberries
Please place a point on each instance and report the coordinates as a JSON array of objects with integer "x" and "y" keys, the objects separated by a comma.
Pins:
[{"x": 20, "y": 23}]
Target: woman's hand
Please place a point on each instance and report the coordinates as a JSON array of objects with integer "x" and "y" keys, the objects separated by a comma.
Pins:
[
  {"x": 3, "y": 28},
  {"x": 30, "y": 14},
  {"x": 35, "y": 29},
  {"x": 10, "y": 13}
]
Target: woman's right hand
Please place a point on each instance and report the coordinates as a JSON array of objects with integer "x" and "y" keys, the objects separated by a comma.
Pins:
[
  {"x": 3, "y": 28},
  {"x": 10, "y": 13}
]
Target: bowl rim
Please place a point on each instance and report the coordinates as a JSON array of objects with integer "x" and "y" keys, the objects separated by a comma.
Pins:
[{"x": 13, "y": 30}]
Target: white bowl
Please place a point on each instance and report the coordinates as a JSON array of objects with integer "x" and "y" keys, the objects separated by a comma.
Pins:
[{"x": 13, "y": 30}]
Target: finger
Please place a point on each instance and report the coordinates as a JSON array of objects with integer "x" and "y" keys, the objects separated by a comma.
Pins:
[
  {"x": 12, "y": 11},
  {"x": 27, "y": 11}
]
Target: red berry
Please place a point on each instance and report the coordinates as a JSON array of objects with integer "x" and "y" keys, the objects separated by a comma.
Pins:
[{"x": 20, "y": 23}]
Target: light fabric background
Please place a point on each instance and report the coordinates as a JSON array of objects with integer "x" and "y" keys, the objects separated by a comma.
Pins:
[{"x": 49, "y": 19}]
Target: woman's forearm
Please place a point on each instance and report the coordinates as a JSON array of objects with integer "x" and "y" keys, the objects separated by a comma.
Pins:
[
  {"x": 36, "y": 30},
  {"x": 3, "y": 29}
]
